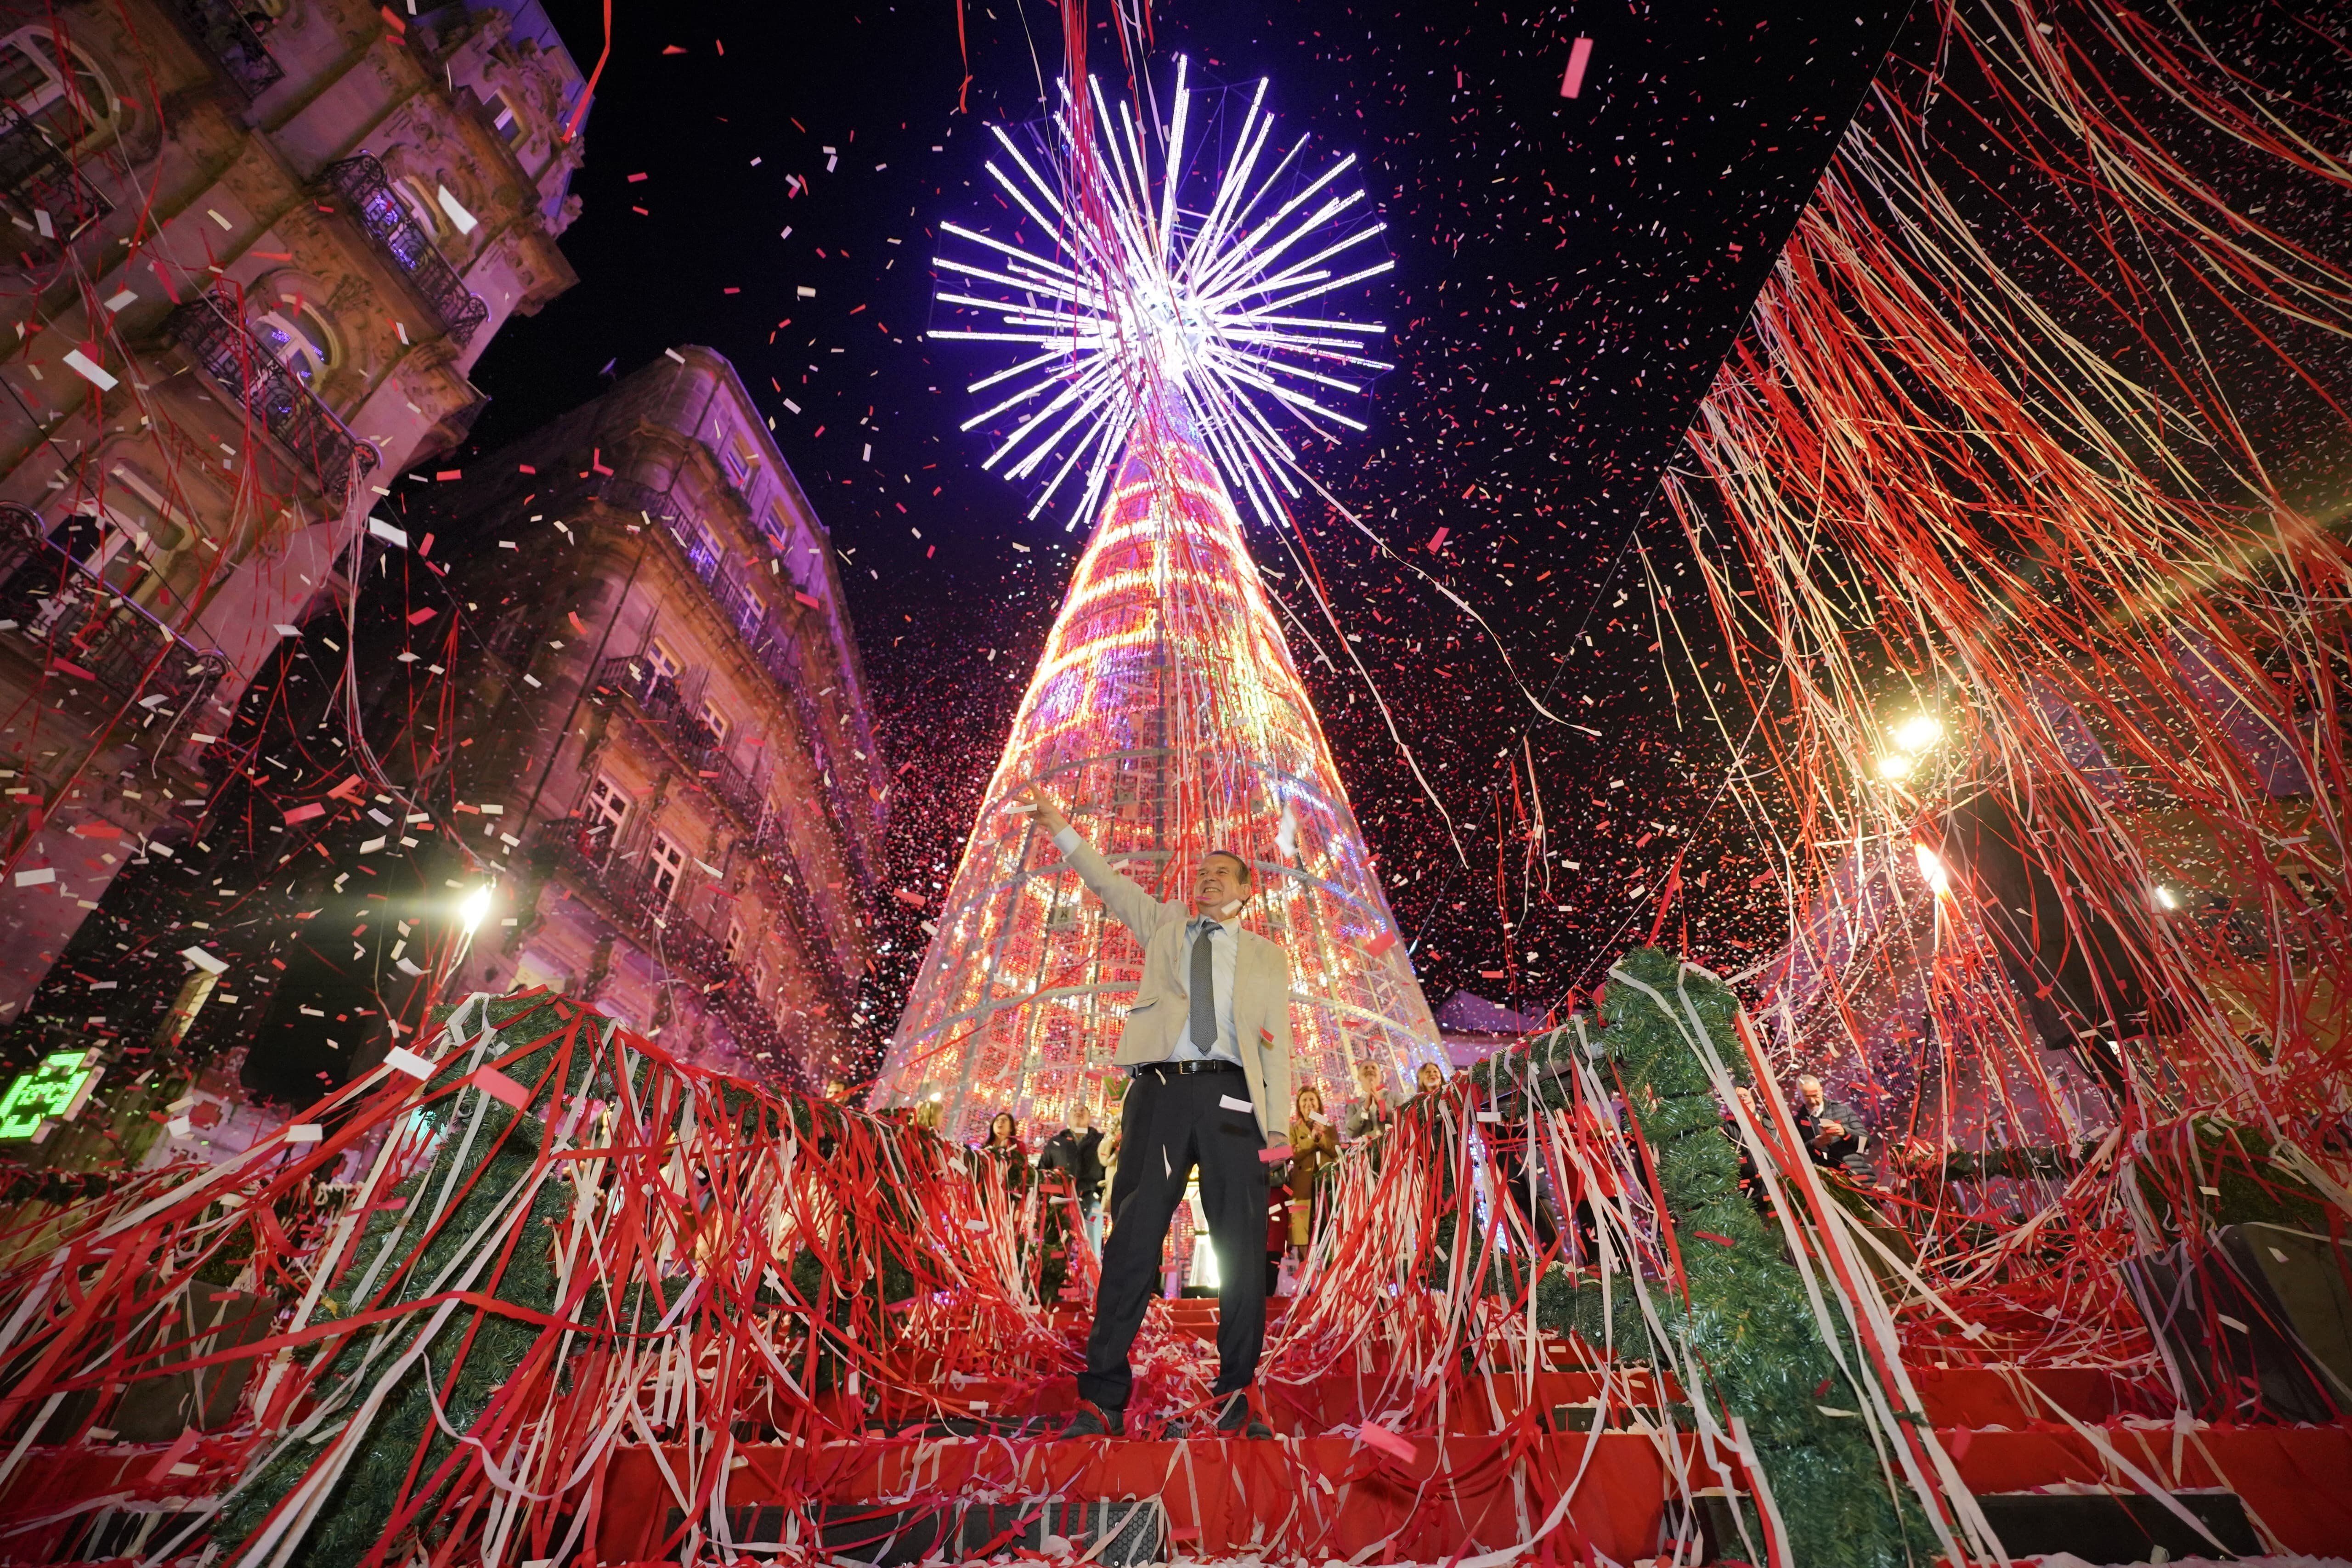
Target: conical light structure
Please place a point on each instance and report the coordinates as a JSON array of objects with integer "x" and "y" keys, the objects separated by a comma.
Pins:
[
  {"x": 1161, "y": 346},
  {"x": 1167, "y": 717}
]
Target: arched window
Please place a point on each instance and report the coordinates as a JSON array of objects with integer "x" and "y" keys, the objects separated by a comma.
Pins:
[
  {"x": 55, "y": 88},
  {"x": 296, "y": 337},
  {"x": 421, "y": 206}
]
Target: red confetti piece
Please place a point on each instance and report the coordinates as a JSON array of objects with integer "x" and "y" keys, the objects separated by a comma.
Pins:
[
  {"x": 502, "y": 1088},
  {"x": 1572, "y": 83}
]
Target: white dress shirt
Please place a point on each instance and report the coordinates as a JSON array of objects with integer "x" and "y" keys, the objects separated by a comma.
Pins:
[{"x": 1224, "y": 954}]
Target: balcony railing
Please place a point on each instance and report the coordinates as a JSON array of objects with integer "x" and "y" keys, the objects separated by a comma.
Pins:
[
  {"x": 695, "y": 743},
  {"x": 38, "y": 179},
  {"x": 83, "y": 629},
  {"x": 769, "y": 640},
  {"x": 660, "y": 704},
  {"x": 278, "y": 401},
  {"x": 360, "y": 181},
  {"x": 220, "y": 29},
  {"x": 633, "y": 898}
]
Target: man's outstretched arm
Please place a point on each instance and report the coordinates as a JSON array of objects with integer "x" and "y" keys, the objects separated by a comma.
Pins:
[{"x": 1129, "y": 904}]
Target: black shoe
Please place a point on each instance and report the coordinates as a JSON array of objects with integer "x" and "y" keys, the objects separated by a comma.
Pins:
[
  {"x": 1091, "y": 1420},
  {"x": 1236, "y": 1421}
]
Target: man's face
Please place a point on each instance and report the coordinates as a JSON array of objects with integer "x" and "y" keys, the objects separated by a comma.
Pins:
[
  {"x": 1813, "y": 1093},
  {"x": 1081, "y": 1117},
  {"x": 1218, "y": 889}
]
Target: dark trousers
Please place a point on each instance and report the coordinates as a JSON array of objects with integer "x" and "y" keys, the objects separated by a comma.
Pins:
[{"x": 1170, "y": 1123}]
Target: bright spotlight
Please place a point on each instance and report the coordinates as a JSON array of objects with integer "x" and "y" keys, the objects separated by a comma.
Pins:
[
  {"x": 1931, "y": 869},
  {"x": 1918, "y": 733},
  {"x": 2165, "y": 898},
  {"x": 1893, "y": 765},
  {"x": 474, "y": 909}
]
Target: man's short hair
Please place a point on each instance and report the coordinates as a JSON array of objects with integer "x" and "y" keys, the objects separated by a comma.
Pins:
[
  {"x": 1804, "y": 1078},
  {"x": 1249, "y": 877}
]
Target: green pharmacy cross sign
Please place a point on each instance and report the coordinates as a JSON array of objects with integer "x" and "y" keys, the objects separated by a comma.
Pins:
[{"x": 53, "y": 1092}]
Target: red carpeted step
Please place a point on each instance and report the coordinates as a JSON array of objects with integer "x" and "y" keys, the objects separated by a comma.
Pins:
[
  {"x": 1323, "y": 1492},
  {"x": 1332, "y": 1495}
]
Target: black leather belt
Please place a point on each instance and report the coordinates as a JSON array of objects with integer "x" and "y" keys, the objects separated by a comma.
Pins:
[{"x": 1216, "y": 1064}]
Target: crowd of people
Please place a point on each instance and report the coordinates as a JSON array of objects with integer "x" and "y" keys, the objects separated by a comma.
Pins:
[{"x": 1077, "y": 1160}]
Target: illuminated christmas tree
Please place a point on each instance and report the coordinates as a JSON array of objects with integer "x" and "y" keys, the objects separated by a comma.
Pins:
[{"x": 1166, "y": 713}]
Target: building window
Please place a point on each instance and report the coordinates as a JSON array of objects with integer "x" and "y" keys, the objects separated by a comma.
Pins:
[
  {"x": 715, "y": 720},
  {"x": 667, "y": 859},
  {"x": 734, "y": 940},
  {"x": 102, "y": 546},
  {"x": 421, "y": 206},
  {"x": 129, "y": 551},
  {"x": 503, "y": 118},
  {"x": 665, "y": 662},
  {"x": 297, "y": 338},
  {"x": 760, "y": 979},
  {"x": 608, "y": 808},
  {"x": 741, "y": 461},
  {"x": 69, "y": 103}
]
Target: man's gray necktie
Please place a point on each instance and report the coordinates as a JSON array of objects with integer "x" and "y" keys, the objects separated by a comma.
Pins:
[{"x": 1205, "y": 991}]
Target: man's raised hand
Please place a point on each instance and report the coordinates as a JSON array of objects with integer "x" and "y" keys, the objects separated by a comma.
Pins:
[{"x": 1047, "y": 814}]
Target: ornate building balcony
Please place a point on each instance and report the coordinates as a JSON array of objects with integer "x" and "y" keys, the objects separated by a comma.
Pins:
[
  {"x": 764, "y": 635},
  {"x": 633, "y": 900},
  {"x": 690, "y": 740},
  {"x": 694, "y": 750},
  {"x": 277, "y": 399},
  {"x": 39, "y": 183},
  {"x": 631, "y": 897},
  {"x": 360, "y": 181},
  {"x": 220, "y": 29},
  {"x": 83, "y": 629}
]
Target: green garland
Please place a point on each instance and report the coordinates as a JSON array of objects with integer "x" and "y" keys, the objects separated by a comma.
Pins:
[
  {"x": 360, "y": 1508},
  {"x": 1748, "y": 1319},
  {"x": 2240, "y": 1166}
]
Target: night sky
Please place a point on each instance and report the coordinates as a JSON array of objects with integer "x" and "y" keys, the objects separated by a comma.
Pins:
[{"x": 1569, "y": 276}]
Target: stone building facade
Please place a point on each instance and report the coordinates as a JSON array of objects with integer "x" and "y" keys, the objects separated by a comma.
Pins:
[
  {"x": 672, "y": 725},
  {"x": 252, "y": 248}
]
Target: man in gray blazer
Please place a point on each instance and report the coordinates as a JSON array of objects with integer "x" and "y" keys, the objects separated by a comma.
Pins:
[{"x": 1207, "y": 1048}]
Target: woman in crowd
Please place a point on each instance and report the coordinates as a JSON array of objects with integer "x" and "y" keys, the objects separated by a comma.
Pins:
[
  {"x": 1314, "y": 1151},
  {"x": 1004, "y": 1146},
  {"x": 1429, "y": 1081}
]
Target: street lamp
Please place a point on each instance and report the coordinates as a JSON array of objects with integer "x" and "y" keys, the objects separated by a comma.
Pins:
[
  {"x": 1918, "y": 733},
  {"x": 1913, "y": 739}
]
